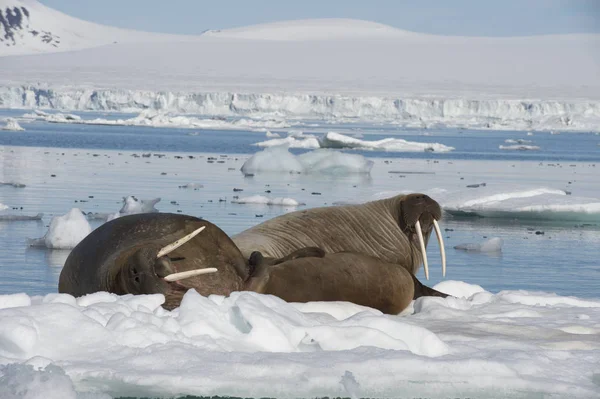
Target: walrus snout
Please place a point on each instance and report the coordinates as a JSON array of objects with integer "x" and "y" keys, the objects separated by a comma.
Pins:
[
  {"x": 144, "y": 273},
  {"x": 419, "y": 214}
]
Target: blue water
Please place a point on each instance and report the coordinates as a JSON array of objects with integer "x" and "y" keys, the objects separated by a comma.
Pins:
[
  {"x": 91, "y": 173},
  {"x": 468, "y": 144}
]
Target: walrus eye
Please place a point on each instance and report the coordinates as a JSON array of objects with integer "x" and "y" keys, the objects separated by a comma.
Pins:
[{"x": 173, "y": 246}]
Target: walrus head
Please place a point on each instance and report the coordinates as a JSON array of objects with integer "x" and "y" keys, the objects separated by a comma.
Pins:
[
  {"x": 155, "y": 254},
  {"x": 418, "y": 216}
]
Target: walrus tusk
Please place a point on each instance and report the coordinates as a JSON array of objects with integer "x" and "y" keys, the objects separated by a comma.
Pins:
[
  {"x": 438, "y": 233},
  {"x": 172, "y": 247},
  {"x": 190, "y": 273},
  {"x": 423, "y": 250}
]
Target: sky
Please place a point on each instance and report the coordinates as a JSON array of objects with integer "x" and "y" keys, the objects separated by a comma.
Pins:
[{"x": 447, "y": 17}]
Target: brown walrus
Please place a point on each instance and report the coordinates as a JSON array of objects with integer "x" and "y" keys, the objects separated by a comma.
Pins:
[
  {"x": 395, "y": 230},
  {"x": 163, "y": 253}
]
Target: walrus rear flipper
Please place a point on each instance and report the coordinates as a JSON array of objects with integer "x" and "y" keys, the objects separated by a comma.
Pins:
[{"x": 423, "y": 290}]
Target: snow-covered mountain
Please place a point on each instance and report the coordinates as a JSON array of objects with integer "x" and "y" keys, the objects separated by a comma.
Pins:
[{"x": 29, "y": 27}]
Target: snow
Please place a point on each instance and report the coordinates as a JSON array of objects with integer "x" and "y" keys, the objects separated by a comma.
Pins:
[
  {"x": 65, "y": 231},
  {"x": 12, "y": 124},
  {"x": 479, "y": 344},
  {"x": 491, "y": 245},
  {"x": 261, "y": 199},
  {"x": 279, "y": 160}
]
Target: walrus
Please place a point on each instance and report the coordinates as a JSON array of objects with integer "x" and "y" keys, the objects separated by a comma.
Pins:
[
  {"x": 395, "y": 230},
  {"x": 171, "y": 253}
]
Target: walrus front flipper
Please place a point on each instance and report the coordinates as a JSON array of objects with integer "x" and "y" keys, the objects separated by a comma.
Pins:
[{"x": 423, "y": 290}]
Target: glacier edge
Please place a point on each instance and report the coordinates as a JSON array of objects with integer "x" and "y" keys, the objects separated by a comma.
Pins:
[{"x": 502, "y": 114}]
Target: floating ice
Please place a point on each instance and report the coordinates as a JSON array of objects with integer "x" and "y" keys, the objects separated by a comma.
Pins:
[
  {"x": 519, "y": 147},
  {"x": 269, "y": 134},
  {"x": 260, "y": 199},
  {"x": 518, "y": 141},
  {"x": 340, "y": 141},
  {"x": 18, "y": 218},
  {"x": 13, "y": 125},
  {"x": 248, "y": 345},
  {"x": 307, "y": 142},
  {"x": 334, "y": 162},
  {"x": 3, "y": 207},
  {"x": 538, "y": 203},
  {"x": 275, "y": 159},
  {"x": 14, "y": 184},
  {"x": 155, "y": 118},
  {"x": 336, "y": 140},
  {"x": 279, "y": 160},
  {"x": 491, "y": 245},
  {"x": 132, "y": 205},
  {"x": 65, "y": 232}
]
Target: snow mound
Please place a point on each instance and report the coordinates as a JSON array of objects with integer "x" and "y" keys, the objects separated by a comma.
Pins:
[
  {"x": 248, "y": 345},
  {"x": 311, "y": 29},
  {"x": 13, "y": 125},
  {"x": 279, "y": 160},
  {"x": 65, "y": 232},
  {"x": 261, "y": 199},
  {"x": 491, "y": 245}
]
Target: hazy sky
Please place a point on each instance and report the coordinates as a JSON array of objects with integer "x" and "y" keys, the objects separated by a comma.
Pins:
[{"x": 451, "y": 17}]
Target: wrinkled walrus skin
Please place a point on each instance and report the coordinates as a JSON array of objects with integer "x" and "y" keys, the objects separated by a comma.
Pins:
[
  {"x": 384, "y": 229},
  {"x": 121, "y": 257}
]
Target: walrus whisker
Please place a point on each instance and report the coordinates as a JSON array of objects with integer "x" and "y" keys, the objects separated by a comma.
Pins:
[
  {"x": 173, "y": 246},
  {"x": 423, "y": 250},
  {"x": 190, "y": 273},
  {"x": 438, "y": 233}
]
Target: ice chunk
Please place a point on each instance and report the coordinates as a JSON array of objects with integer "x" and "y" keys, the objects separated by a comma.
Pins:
[
  {"x": 13, "y": 125},
  {"x": 307, "y": 142},
  {"x": 279, "y": 159},
  {"x": 260, "y": 199},
  {"x": 271, "y": 135},
  {"x": 65, "y": 232},
  {"x": 3, "y": 207},
  {"x": 336, "y": 140},
  {"x": 491, "y": 245},
  {"x": 518, "y": 141},
  {"x": 19, "y": 218},
  {"x": 519, "y": 147},
  {"x": 132, "y": 205},
  {"x": 275, "y": 159},
  {"x": 334, "y": 162}
]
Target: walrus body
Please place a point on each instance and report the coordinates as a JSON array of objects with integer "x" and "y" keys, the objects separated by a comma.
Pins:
[
  {"x": 383, "y": 229},
  {"x": 124, "y": 256}
]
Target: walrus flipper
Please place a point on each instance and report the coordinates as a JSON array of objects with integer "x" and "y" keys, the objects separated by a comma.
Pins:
[{"x": 423, "y": 290}]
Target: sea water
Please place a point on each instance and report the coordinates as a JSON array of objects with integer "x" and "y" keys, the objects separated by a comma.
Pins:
[{"x": 93, "y": 167}]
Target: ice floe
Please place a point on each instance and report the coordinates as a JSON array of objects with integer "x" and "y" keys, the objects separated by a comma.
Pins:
[
  {"x": 519, "y": 147},
  {"x": 340, "y": 141},
  {"x": 261, "y": 199},
  {"x": 248, "y": 345},
  {"x": 65, "y": 231},
  {"x": 12, "y": 125},
  {"x": 279, "y": 160}
]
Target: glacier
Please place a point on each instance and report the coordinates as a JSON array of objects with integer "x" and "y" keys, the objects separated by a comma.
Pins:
[{"x": 421, "y": 112}]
